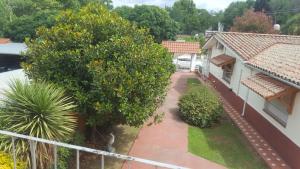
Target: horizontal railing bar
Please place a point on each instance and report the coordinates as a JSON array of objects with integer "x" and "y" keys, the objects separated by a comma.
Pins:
[{"x": 94, "y": 151}]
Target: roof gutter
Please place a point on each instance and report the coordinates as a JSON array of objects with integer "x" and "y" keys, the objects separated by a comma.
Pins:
[{"x": 271, "y": 75}]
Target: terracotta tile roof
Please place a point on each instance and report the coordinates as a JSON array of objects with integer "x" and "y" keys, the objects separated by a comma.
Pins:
[
  {"x": 4, "y": 41},
  {"x": 280, "y": 60},
  {"x": 265, "y": 86},
  {"x": 222, "y": 60},
  {"x": 182, "y": 47},
  {"x": 248, "y": 45}
]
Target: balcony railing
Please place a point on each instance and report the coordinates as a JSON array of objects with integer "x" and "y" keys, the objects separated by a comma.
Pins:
[{"x": 33, "y": 141}]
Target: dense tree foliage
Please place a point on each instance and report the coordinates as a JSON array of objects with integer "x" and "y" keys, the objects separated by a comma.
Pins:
[
  {"x": 262, "y": 6},
  {"x": 20, "y": 18},
  {"x": 279, "y": 8},
  {"x": 5, "y": 15},
  {"x": 161, "y": 25},
  {"x": 234, "y": 10},
  {"x": 255, "y": 22},
  {"x": 191, "y": 19},
  {"x": 25, "y": 26},
  {"x": 114, "y": 70},
  {"x": 292, "y": 26}
]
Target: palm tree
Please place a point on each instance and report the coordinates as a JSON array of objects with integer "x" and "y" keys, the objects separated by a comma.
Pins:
[{"x": 36, "y": 109}]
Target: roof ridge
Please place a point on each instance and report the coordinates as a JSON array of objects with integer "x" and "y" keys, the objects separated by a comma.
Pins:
[
  {"x": 260, "y": 34},
  {"x": 178, "y": 41}
]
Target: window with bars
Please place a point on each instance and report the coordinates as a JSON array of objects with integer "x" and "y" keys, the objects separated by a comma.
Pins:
[
  {"x": 277, "y": 111},
  {"x": 227, "y": 73}
]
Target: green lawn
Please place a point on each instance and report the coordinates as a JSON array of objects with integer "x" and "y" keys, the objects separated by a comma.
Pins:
[{"x": 223, "y": 143}]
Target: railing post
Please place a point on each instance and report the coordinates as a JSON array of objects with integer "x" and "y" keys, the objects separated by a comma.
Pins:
[
  {"x": 55, "y": 156},
  {"x": 128, "y": 162},
  {"x": 77, "y": 160},
  {"x": 102, "y": 161},
  {"x": 14, "y": 152},
  {"x": 33, "y": 153}
]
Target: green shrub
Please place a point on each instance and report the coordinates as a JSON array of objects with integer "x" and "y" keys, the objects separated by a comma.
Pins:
[
  {"x": 64, "y": 155},
  {"x": 200, "y": 106},
  {"x": 6, "y": 162}
]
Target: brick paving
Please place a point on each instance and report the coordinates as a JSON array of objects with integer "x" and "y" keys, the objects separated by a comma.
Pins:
[
  {"x": 267, "y": 153},
  {"x": 168, "y": 141}
]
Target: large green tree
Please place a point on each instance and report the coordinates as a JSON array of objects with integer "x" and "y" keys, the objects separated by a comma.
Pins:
[
  {"x": 191, "y": 19},
  {"x": 20, "y": 18},
  {"x": 114, "y": 70},
  {"x": 262, "y": 6},
  {"x": 107, "y": 3},
  {"x": 27, "y": 15},
  {"x": 25, "y": 26},
  {"x": 279, "y": 10},
  {"x": 160, "y": 24},
  {"x": 6, "y": 15},
  {"x": 234, "y": 10},
  {"x": 292, "y": 26}
]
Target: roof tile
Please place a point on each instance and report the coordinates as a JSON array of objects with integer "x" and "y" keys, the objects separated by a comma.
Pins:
[
  {"x": 248, "y": 45},
  {"x": 182, "y": 47},
  {"x": 265, "y": 86}
]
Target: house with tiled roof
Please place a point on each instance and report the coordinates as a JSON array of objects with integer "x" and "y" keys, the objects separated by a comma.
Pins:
[
  {"x": 259, "y": 74},
  {"x": 184, "y": 53}
]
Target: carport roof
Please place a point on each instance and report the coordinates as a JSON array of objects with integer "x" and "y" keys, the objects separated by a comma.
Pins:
[{"x": 182, "y": 47}]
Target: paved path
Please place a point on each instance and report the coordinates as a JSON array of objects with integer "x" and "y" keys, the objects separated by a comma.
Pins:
[{"x": 168, "y": 141}]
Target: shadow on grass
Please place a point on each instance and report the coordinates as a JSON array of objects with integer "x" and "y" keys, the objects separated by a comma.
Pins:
[{"x": 224, "y": 144}]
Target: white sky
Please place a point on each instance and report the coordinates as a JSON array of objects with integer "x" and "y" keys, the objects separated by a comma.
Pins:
[{"x": 206, "y": 4}]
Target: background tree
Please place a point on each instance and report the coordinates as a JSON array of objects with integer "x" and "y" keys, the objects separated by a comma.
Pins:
[
  {"x": 292, "y": 27},
  {"x": 114, "y": 71},
  {"x": 6, "y": 15},
  {"x": 279, "y": 10},
  {"x": 107, "y": 3},
  {"x": 262, "y": 6},
  {"x": 161, "y": 26},
  {"x": 191, "y": 19},
  {"x": 255, "y": 22},
  {"x": 27, "y": 15},
  {"x": 234, "y": 10},
  {"x": 39, "y": 110},
  {"x": 25, "y": 26}
]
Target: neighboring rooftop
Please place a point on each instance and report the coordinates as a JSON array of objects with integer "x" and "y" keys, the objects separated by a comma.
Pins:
[
  {"x": 12, "y": 48},
  {"x": 248, "y": 45},
  {"x": 280, "y": 60},
  {"x": 4, "y": 40},
  {"x": 182, "y": 47}
]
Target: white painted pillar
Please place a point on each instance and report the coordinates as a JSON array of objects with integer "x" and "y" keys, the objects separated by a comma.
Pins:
[
  {"x": 193, "y": 61},
  {"x": 245, "y": 102}
]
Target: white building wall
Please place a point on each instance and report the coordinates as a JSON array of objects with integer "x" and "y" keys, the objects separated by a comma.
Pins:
[
  {"x": 192, "y": 63},
  {"x": 254, "y": 100},
  {"x": 7, "y": 77}
]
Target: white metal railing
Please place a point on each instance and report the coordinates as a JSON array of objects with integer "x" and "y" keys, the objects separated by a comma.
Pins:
[{"x": 33, "y": 141}]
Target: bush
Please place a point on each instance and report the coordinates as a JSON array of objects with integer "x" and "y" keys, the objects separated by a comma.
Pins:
[
  {"x": 200, "y": 106},
  {"x": 6, "y": 162},
  {"x": 64, "y": 155}
]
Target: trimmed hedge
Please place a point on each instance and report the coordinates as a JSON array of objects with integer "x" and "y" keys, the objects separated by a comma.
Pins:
[
  {"x": 6, "y": 162},
  {"x": 200, "y": 106}
]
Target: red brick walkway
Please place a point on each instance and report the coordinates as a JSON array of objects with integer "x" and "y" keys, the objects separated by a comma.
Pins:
[
  {"x": 268, "y": 154},
  {"x": 168, "y": 141}
]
